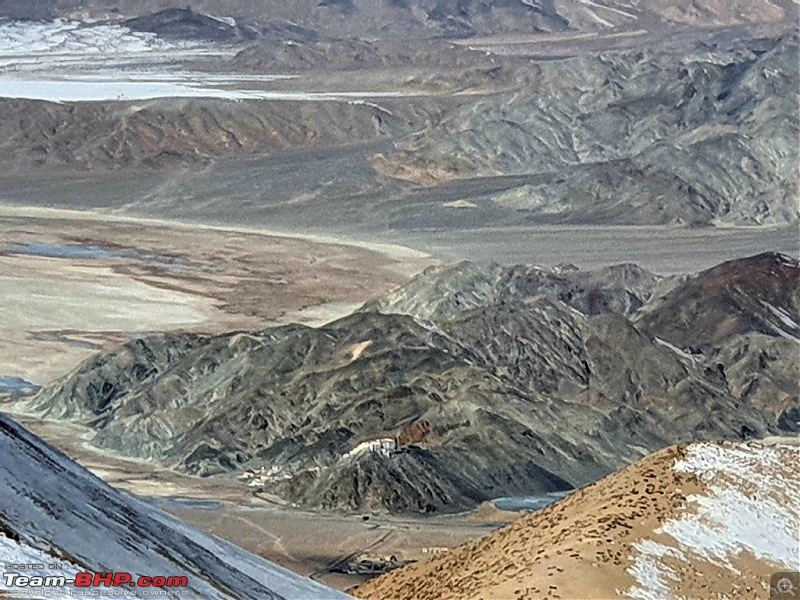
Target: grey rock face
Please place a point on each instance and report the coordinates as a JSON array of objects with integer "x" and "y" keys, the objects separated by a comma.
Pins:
[
  {"x": 707, "y": 136},
  {"x": 496, "y": 382}
]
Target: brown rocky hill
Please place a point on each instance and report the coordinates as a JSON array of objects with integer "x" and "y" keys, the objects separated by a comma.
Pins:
[{"x": 696, "y": 521}]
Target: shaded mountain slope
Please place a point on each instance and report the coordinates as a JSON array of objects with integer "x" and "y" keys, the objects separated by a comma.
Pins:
[
  {"x": 186, "y": 23},
  {"x": 172, "y": 132},
  {"x": 497, "y": 384},
  {"x": 760, "y": 294},
  {"x": 54, "y": 511},
  {"x": 697, "y": 521}
]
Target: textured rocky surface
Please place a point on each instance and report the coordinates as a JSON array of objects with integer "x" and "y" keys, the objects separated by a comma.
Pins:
[
  {"x": 349, "y": 18},
  {"x": 169, "y": 133},
  {"x": 571, "y": 112},
  {"x": 496, "y": 382},
  {"x": 635, "y": 137}
]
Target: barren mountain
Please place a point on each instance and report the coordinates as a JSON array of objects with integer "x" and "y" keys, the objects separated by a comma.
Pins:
[
  {"x": 696, "y": 521},
  {"x": 607, "y": 112},
  {"x": 166, "y": 133},
  {"x": 53, "y": 511},
  {"x": 631, "y": 137},
  {"x": 399, "y": 18},
  {"x": 500, "y": 382}
]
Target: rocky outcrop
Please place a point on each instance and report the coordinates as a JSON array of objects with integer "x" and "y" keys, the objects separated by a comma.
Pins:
[
  {"x": 497, "y": 382},
  {"x": 185, "y": 23}
]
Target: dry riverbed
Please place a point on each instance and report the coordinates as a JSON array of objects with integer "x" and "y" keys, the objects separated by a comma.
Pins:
[{"x": 73, "y": 283}]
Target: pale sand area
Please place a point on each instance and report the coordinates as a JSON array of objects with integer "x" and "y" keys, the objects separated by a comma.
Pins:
[{"x": 155, "y": 275}]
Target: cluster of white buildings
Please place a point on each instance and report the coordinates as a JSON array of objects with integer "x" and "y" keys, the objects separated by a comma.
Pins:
[
  {"x": 380, "y": 446},
  {"x": 261, "y": 477}
]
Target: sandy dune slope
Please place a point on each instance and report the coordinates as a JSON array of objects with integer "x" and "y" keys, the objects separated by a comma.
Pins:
[{"x": 698, "y": 521}]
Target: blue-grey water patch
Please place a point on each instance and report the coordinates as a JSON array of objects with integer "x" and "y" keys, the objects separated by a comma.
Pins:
[
  {"x": 93, "y": 252},
  {"x": 523, "y": 503},
  {"x": 16, "y": 385},
  {"x": 181, "y": 502},
  {"x": 61, "y": 251}
]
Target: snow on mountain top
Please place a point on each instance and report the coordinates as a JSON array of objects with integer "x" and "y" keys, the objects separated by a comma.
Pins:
[
  {"x": 51, "y": 508},
  {"x": 749, "y": 509}
]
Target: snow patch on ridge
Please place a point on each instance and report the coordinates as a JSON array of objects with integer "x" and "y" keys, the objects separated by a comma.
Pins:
[
  {"x": 56, "y": 508},
  {"x": 682, "y": 353},
  {"x": 16, "y": 553},
  {"x": 750, "y": 505}
]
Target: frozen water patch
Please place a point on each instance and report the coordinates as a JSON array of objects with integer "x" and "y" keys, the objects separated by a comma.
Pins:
[
  {"x": 750, "y": 506},
  {"x": 56, "y": 251},
  {"x": 82, "y": 251},
  {"x": 16, "y": 385},
  {"x": 61, "y": 37},
  {"x": 102, "y": 91},
  {"x": 68, "y": 61},
  {"x": 527, "y": 503}
]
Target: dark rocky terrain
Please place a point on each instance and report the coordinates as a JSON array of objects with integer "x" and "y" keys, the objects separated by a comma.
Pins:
[
  {"x": 185, "y": 23},
  {"x": 430, "y": 18},
  {"x": 632, "y": 138},
  {"x": 491, "y": 381}
]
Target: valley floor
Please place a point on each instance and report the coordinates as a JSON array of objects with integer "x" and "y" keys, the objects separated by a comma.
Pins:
[{"x": 75, "y": 283}]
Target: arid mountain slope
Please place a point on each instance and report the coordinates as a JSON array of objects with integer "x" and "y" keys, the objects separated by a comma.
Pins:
[
  {"x": 607, "y": 112},
  {"x": 54, "y": 511},
  {"x": 399, "y": 18},
  {"x": 166, "y": 133},
  {"x": 498, "y": 382},
  {"x": 641, "y": 136},
  {"x": 697, "y": 521}
]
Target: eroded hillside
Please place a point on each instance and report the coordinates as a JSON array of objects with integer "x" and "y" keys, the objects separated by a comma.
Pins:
[{"x": 496, "y": 382}]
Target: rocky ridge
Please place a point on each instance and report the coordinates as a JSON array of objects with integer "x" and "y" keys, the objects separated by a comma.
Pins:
[
  {"x": 495, "y": 382},
  {"x": 695, "y": 521},
  {"x": 54, "y": 512}
]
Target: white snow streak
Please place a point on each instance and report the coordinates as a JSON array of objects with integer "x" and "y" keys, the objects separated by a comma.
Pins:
[
  {"x": 682, "y": 353},
  {"x": 785, "y": 318},
  {"x": 751, "y": 505}
]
